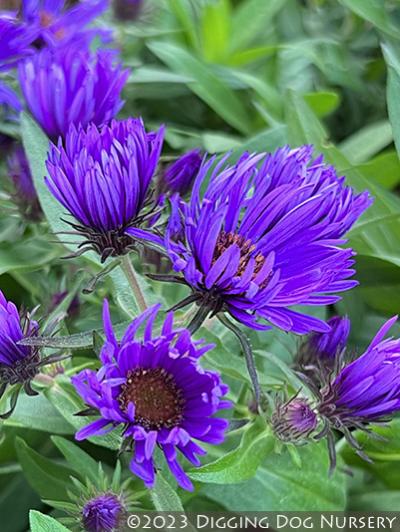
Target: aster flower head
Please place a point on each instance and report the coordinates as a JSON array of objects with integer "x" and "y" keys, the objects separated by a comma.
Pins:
[
  {"x": 155, "y": 388},
  {"x": 294, "y": 421},
  {"x": 100, "y": 504},
  {"x": 25, "y": 193},
  {"x": 364, "y": 391},
  {"x": 71, "y": 85},
  {"x": 19, "y": 363},
  {"x": 56, "y": 24},
  {"x": 102, "y": 514},
  {"x": 179, "y": 175},
  {"x": 102, "y": 175},
  {"x": 367, "y": 389},
  {"x": 264, "y": 238}
]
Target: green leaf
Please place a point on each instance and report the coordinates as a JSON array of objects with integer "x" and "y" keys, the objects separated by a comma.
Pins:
[
  {"x": 241, "y": 463},
  {"x": 383, "y": 169},
  {"x": 46, "y": 477},
  {"x": 29, "y": 255},
  {"x": 219, "y": 142},
  {"x": 375, "y": 501},
  {"x": 267, "y": 140},
  {"x": 250, "y": 19},
  {"x": 234, "y": 365},
  {"x": 215, "y": 30},
  {"x": 392, "y": 58},
  {"x": 367, "y": 142},
  {"x": 385, "y": 454},
  {"x": 322, "y": 103},
  {"x": 79, "y": 460},
  {"x": 36, "y": 146},
  {"x": 281, "y": 486},
  {"x": 44, "y": 523},
  {"x": 63, "y": 397},
  {"x": 252, "y": 54},
  {"x": 386, "y": 450},
  {"x": 375, "y": 12},
  {"x": 39, "y": 414},
  {"x": 184, "y": 13},
  {"x": 209, "y": 87},
  {"x": 17, "y": 495},
  {"x": 164, "y": 498}
]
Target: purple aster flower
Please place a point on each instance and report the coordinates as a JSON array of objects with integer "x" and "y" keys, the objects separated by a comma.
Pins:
[
  {"x": 102, "y": 513},
  {"x": 71, "y": 85},
  {"x": 261, "y": 240},
  {"x": 368, "y": 388},
  {"x": 15, "y": 359},
  {"x": 364, "y": 391},
  {"x": 19, "y": 364},
  {"x": 179, "y": 175},
  {"x": 15, "y": 41},
  {"x": 294, "y": 421},
  {"x": 156, "y": 390},
  {"x": 126, "y": 10},
  {"x": 102, "y": 177},
  {"x": 57, "y": 24},
  {"x": 25, "y": 195}
]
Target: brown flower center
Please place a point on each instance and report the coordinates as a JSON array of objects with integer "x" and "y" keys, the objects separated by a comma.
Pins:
[
  {"x": 158, "y": 401},
  {"x": 247, "y": 248},
  {"x": 46, "y": 19}
]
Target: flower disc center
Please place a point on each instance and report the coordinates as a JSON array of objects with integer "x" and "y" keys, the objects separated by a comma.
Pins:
[
  {"x": 247, "y": 249},
  {"x": 158, "y": 401}
]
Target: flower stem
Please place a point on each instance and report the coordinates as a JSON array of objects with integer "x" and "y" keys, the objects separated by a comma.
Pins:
[
  {"x": 130, "y": 275},
  {"x": 248, "y": 354}
]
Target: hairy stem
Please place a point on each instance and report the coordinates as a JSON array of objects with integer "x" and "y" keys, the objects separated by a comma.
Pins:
[
  {"x": 248, "y": 353},
  {"x": 130, "y": 275}
]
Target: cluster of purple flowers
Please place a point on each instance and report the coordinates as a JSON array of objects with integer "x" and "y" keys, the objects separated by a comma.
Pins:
[
  {"x": 62, "y": 81},
  {"x": 350, "y": 391},
  {"x": 261, "y": 241}
]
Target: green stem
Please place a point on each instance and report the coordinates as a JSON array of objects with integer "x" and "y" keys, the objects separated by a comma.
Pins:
[
  {"x": 248, "y": 354},
  {"x": 130, "y": 275}
]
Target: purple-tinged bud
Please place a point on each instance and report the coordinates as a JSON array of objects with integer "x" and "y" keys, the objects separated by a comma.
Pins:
[
  {"x": 179, "y": 175},
  {"x": 320, "y": 352},
  {"x": 104, "y": 513},
  {"x": 294, "y": 421},
  {"x": 330, "y": 344}
]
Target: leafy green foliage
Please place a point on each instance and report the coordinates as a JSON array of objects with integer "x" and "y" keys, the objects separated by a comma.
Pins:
[
  {"x": 44, "y": 523},
  {"x": 280, "y": 485},
  {"x": 241, "y": 463}
]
